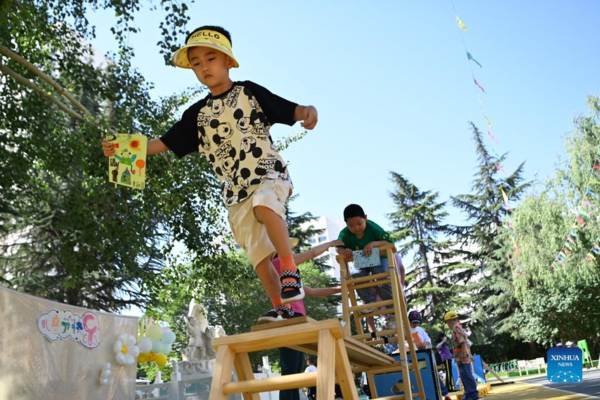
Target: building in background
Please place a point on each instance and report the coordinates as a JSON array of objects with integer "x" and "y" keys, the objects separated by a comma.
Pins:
[{"x": 331, "y": 228}]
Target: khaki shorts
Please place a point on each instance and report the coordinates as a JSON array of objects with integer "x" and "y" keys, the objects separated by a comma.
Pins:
[{"x": 250, "y": 234}]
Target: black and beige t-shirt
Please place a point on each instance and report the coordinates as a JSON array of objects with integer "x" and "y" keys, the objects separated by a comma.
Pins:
[{"x": 232, "y": 131}]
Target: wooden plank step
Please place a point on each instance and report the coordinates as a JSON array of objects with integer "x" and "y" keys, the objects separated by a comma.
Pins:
[
  {"x": 368, "y": 278},
  {"x": 371, "y": 305},
  {"x": 281, "y": 324},
  {"x": 294, "y": 381},
  {"x": 267, "y": 339},
  {"x": 359, "y": 354}
]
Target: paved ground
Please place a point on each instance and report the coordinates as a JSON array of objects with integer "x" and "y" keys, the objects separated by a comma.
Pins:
[
  {"x": 538, "y": 388},
  {"x": 590, "y": 386}
]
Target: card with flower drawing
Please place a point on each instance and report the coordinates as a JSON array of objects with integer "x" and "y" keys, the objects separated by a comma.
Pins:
[{"x": 128, "y": 166}]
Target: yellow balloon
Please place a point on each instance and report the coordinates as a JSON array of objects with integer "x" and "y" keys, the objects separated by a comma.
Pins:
[
  {"x": 151, "y": 357},
  {"x": 161, "y": 360},
  {"x": 143, "y": 357}
]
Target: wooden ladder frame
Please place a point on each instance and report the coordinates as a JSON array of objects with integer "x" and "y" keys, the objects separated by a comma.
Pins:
[{"x": 350, "y": 306}]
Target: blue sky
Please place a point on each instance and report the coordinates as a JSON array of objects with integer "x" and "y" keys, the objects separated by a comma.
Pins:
[{"x": 393, "y": 87}]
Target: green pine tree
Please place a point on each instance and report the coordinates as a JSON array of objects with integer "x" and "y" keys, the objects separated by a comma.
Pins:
[
  {"x": 486, "y": 246},
  {"x": 418, "y": 225}
]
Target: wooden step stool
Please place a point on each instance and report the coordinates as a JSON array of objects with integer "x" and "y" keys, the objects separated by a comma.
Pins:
[{"x": 337, "y": 354}]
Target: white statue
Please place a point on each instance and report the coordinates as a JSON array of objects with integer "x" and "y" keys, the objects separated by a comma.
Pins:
[
  {"x": 196, "y": 349},
  {"x": 197, "y": 311},
  {"x": 199, "y": 355}
]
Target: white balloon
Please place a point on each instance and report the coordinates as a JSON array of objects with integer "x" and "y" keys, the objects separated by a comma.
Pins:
[
  {"x": 104, "y": 381},
  {"x": 145, "y": 345},
  {"x": 130, "y": 341},
  {"x": 118, "y": 346},
  {"x": 166, "y": 348},
  {"x": 129, "y": 359},
  {"x": 121, "y": 359},
  {"x": 134, "y": 351},
  {"x": 123, "y": 337}
]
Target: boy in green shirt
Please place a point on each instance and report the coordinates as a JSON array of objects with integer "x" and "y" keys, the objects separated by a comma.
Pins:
[{"x": 362, "y": 234}]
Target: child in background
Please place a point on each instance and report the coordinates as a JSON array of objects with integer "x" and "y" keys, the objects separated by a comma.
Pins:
[
  {"x": 462, "y": 356},
  {"x": 363, "y": 234},
  {"x": 420, "y": 337},
  {"x": 446, "y": 356},
  {"x": 312, "y": 367}
]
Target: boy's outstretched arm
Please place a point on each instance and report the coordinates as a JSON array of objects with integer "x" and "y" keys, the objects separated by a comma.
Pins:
[
  {"x": 315, "y": 251},
  {"x": 322, "y": 291},
  {"x": 155, "y": 146},
  {"x": 307, "y": 114}
]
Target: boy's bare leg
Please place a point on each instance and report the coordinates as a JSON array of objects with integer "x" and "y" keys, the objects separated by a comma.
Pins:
[
  {"x": 276, "y": 229},
  {"x": 270, "y": 280},
  {"x": 371, "y": 324},
  {"x": 279, "y": 236}
]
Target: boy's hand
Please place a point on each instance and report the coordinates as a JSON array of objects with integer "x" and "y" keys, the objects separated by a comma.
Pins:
[
  {"x": 368, "y": 250},
  {"x": 309, "y": 117},
  {"x": 108, "y": 148},
  {"x": 345, "y": 252}
]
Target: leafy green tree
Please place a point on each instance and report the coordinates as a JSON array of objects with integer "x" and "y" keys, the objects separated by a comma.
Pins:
[
  {"x": 558, "y": 297},
  {"x": 68, "y": 234}
]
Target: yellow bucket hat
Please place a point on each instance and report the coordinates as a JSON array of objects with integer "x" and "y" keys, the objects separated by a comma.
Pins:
[
  {"x": 204, "y": 38},
  {"x": 450, "y": 315}
]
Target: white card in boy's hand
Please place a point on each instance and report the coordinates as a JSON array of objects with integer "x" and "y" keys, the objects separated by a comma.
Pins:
[{"x": 362, "y": 261}]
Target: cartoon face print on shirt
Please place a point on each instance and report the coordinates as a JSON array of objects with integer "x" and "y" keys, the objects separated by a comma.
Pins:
[
  {"x": 249, "y": 147},
  {"x": 223, "y": 131},
  {"x": 203, "y": 138},
  {"x": 230, "y": 162},
  {"x": 245, "y": 123},
  {"x": 216, "y": 107}
]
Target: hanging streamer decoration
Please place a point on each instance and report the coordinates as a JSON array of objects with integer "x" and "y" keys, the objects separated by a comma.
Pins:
[{"x": 519, "y": 270}]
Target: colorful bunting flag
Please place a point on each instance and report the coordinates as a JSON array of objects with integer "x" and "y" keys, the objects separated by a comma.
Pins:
[
  {"x": 488, "y": 121},
  {"x": 568, "y": 246},
  {"x": 582, "y": 222},
  {"x": 492, "y": 136},
  {"x": 460, "y": 24},
  {"x": 571, "y": 240},
  {"x": 499, "y": 168},
  {"x": 478, "y": 85},
  {"x": 596, "y": 166},
  {"x": 470, "y": 57},
  {"x": 592, "y": 193},
  {"x": 572, "y": 233}
]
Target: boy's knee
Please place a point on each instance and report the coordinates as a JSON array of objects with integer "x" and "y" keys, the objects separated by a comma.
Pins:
[{"x": 262, "y": 268}]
